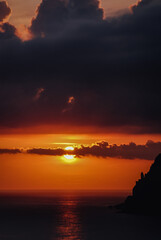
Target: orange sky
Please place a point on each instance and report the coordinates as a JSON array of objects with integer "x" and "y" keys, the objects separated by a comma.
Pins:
[
  {"x": 23, "y": 11},
  {"x": 56, "y": 140},
  {"x": 25, "y": 171}
]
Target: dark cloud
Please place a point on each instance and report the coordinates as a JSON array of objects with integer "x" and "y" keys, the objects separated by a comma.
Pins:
[
  {"x": 125, "y": 151},
  {"x": 5, "y": 11},
  {"x": 111, "y": 67},
  {"x": 50, "y": 152},
  {"x": 7, "y": 31},
  {"x": 103, "y": 149},
  {"x": 54, "y": 15},
  {"x": 145, "y": 4},
  {"x": 10, "y": 151},
  {"x": 100, "y": 149}
]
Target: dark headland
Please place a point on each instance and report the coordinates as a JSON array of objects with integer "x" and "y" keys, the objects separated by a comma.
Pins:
[{"x": 146, "y": 194}]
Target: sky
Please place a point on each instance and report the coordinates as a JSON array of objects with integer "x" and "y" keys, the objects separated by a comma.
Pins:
[
  {"x": 79, "y": 74},
  {"x": 24, "y": 11}
]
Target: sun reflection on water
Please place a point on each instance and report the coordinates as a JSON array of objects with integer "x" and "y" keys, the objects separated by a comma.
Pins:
[{"x": 69, "y": 225}]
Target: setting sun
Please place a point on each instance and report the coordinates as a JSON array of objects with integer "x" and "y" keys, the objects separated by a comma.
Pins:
[
  {"x": 69, "y": 148},
  {"x": 80, "y": 126},
  {"x": 69, "y": 158}
]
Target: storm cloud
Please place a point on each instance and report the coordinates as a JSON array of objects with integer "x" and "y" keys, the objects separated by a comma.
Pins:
[
  {"x": 110, "y": 66},
  {"x": 54, "y": 15}
]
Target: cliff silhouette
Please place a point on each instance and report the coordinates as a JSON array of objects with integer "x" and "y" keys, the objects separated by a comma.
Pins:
[{"x": 146, "y": 194}]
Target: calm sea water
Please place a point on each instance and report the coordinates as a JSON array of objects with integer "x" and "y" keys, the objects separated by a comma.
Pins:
[{"x": 71, "y": 215}]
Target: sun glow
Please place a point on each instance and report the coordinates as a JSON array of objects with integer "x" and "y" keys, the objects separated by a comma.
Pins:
[
  {"x": 69, "y": 158},
  {"x": 69, "y": 148}
]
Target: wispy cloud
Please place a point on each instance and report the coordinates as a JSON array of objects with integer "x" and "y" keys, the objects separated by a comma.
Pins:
[
  {"x": 69, "y": 105},
  {"x": 38, "y": 93}
]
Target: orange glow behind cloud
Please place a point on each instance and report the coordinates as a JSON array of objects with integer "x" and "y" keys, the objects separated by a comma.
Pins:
[
  {"x": 24, "y": 11},
  {"x": 23, "y": 33},
  {"x": 28, "y": 172}
]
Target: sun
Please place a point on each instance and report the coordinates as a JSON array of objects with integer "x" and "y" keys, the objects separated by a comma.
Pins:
[
  {"x": 69, "y": 158},
  {"x": 69, "y": 148}
]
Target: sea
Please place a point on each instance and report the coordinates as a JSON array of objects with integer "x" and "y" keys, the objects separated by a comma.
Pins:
[{"x": 69, "y": 215}]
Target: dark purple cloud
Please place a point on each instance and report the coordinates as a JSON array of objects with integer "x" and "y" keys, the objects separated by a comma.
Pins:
[
  {"x": 50, "y": 152},
  {"x": 145, "y": 4},
  {"x": 111, "y": 67},
  {"x": 10, "y": 151},
  {"x": 124, "y": 151},
  {"x": 105, "y": 150},
  {"x": 54, "y": 15},
  {"x": 101, "y": 149},
  {"x": 4, "y": 10},
  {"x": 7, "y": 31}
]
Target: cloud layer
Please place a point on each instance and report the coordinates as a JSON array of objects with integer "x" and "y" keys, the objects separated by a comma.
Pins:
[
  {"x": 125, "y": 151},
  {"x": 10, "y": 151},
  {"x": 110, "y": 66},
  {"x": 102, "y": 149},
  {"x": 50, "y": 152}
]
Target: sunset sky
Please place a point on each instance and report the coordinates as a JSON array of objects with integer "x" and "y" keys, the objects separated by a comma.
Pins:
[
  {"x": 24, "y": 11},
  {"x": 82, "y": 74}
]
